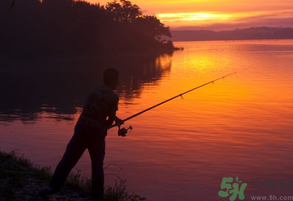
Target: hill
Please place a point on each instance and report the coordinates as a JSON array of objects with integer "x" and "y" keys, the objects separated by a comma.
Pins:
[{"x": 253, "y": 33}]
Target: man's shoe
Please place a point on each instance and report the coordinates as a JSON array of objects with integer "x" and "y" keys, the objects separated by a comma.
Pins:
[{"x": 47, "y": 191}]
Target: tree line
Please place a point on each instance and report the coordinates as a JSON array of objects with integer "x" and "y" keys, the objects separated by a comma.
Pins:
[
  {"x": 252, "y": 33},
  {"x": 76, "y": 27}
]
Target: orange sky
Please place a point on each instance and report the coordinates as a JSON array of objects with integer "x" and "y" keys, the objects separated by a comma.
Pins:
[{"x": 217, "y": 14}]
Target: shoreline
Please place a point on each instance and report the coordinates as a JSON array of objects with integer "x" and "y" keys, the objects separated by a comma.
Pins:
[{"x": 22, "y": 180}]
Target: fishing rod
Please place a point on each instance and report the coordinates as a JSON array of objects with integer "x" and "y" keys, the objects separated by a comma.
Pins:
[{"x": 123, "y": 131}]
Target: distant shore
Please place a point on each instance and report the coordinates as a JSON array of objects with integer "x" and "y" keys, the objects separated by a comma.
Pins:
[{"x": 252, "y": 33}]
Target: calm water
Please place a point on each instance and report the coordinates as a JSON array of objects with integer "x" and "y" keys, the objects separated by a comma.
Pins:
[{"x": 239, "y": 126}]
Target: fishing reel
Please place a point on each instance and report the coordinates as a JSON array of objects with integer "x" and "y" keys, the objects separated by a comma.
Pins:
[{"x": 123, "y": 131}]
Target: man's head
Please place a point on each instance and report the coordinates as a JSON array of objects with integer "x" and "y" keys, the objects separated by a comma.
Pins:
[{"x": 111, "y": 78}]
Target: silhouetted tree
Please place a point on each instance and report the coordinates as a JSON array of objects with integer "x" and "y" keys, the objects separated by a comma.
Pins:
[
  {"x": 123, "y": 12},
  {"x": 151, "y": 26}
]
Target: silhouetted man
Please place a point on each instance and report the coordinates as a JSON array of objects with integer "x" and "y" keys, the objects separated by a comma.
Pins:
[{"x": 90, "y": 131}]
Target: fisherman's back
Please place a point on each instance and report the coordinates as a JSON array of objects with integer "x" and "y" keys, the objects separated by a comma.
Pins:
[{"x": 99, "y": 105}]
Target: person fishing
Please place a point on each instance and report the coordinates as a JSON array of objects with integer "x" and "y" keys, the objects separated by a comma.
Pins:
[
  {"x": 97, "y": 117},
  {"x": 99, "y": 113}
]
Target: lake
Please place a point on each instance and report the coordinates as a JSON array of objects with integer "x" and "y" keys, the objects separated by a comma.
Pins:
[{"x": 240, "y": 126}]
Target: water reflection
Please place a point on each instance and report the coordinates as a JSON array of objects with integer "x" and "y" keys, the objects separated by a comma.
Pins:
[{"x": 59, "y": 87}]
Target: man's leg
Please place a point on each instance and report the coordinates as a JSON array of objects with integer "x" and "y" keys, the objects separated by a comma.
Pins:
[
  {"x": 74, "y": 151},
  {"x": 96, "y": 149}
]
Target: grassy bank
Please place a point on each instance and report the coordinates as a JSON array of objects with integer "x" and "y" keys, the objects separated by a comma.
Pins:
[{"x": 20, "y": 179}]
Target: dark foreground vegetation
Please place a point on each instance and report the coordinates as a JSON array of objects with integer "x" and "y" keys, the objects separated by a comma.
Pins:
[
  {"x": 75, "y": 27},
  {"x": 21, "y": 180}
]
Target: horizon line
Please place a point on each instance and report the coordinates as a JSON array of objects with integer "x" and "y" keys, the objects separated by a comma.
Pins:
[{"x": 195, "y": 28}]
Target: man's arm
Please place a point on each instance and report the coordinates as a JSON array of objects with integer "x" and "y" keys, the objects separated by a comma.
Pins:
[
  {"x": 111, "y": 118},
  {"x": 118, "y": 121}
]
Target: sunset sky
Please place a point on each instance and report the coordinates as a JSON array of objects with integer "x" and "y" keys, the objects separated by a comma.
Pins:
[{"x": 217, "y": 14}]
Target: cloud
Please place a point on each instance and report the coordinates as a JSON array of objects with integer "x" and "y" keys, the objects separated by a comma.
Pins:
[
  {"x": 220, "y": 21},
  {"x": 218, "y": 14},
  {"x": 199, "y": 16}
]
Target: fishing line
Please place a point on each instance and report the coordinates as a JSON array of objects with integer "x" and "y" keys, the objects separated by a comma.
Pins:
[{"x": 123, "y": 131}]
